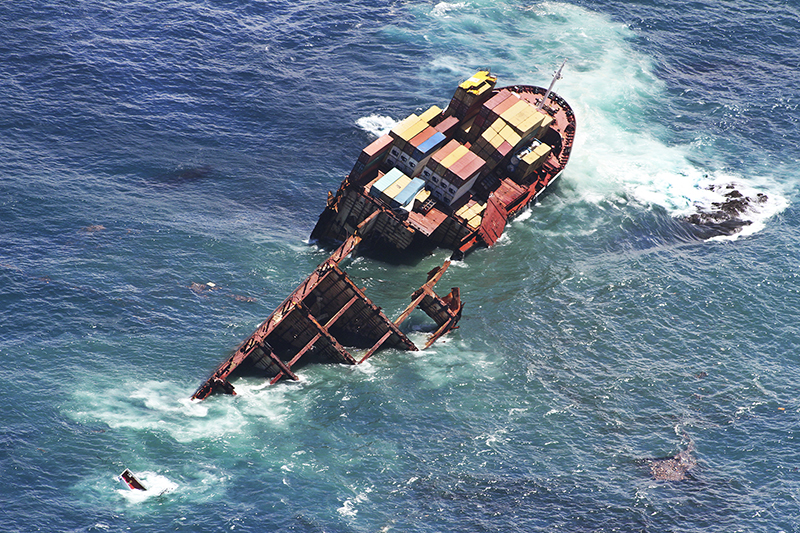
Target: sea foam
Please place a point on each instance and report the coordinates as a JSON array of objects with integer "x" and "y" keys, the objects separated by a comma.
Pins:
[{"x": 620, "y": 155}]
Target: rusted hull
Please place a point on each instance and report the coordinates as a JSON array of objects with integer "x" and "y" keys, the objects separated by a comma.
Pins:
[{"x": 325, "y": 313}]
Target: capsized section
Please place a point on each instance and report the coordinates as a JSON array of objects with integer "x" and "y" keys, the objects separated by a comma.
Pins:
[
  {"x": 323, "y": 314},
  {"x": 131, "y": 480},
  {"x": 446, "y": 312}
]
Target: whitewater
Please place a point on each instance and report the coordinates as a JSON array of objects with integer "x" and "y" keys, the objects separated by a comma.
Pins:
[{"x": 163, "y": 166}]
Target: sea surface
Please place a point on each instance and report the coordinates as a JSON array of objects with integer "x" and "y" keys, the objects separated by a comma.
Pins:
[{"x": 151, "y": 149}]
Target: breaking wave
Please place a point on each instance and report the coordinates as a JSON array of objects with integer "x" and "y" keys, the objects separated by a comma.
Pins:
[
  {"x": 443, "y": 8},
  {"x": 377, "y": 125},
  {"x": 620, "y": 154}
]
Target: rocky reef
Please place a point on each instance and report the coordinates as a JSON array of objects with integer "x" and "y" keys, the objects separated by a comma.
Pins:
[{"x": 729, "y": 215}]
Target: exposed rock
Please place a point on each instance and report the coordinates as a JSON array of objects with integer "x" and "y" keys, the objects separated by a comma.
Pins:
[{"x": 726, "y": 217}]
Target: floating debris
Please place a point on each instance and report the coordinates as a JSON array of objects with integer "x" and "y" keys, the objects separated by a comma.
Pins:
[
  {"x": 130, "y": 480},
  {"x": 94, "y": 228},
  {"x": 675, "y": 467}
]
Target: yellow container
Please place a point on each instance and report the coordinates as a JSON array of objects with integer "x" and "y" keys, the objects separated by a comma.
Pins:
[
  {"x": 510, "y": 136},
  {"x": 515, "y": 114},
  {"x": 403, "y": 125},
  {"x": 531, "y": 124},
  {"x": 463, "y": 210},
  {"x": 414, "y": 130},
  {"x": 395, "y": 188},
  {"x": 543, "y": 150},
  {"x": 546, "y": 122},
  {"x": 430, "y": 114},
  {"x": 498, "y": 125},
  {"x": 497, "y": 140},
  {"x": 457, "y": 154},
  {"x": 422, "y": 195}
]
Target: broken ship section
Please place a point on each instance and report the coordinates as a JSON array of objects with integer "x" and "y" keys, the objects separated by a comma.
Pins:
[
  {"x": 453, "y": 178},
  {"x": 449, "y": 179},
  {"x": 325, "y": 313}
]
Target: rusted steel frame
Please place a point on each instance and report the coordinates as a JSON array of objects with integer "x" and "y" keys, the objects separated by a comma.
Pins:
[
  {"x": 521, "y": 202},
  {"x": 413, "y": 305},
  {"x": 454, "y": 306},
  {"x": 343, "y": 250},
  {"x": 346, "y": 357},
  {"x": 314, "y": 339},
  {"x": 377, "y": 311},
  {"x": 446, "y": 327},
  {"x": 426, "y": 290},
  {"x": 375, "y": 346},
  {"x": 277, "y": 316},
  {"x": 219, "y": 377},
  {"x": 285, "y": 370}
]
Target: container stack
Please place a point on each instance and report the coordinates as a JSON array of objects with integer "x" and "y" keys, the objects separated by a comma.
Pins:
[
  {"x": 496, "y": 141},
  {"x": 371, "y": 157},
  {"x": 451, "y": 171},
  {"x": 406, "y": 196},
  {"x": 472, "y": 212},
  {"x": 432, "y": 115},
  {"x": 505, "y": 121},
  {"x": 396, "y": 189},
  {"x": 389, "y": 185},
  {"x": 517, "y": 112},
  {"x": 470, "y": 93},
  {"x": 530, "y": 159},
  {"x": 414, "y": 140}
]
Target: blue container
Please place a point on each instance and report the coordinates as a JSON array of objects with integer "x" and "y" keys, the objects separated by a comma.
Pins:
[
  {"x": 385, "y": 182},
  {"x": 408, "y": 193},
  {"x": 435, "y": 140}
]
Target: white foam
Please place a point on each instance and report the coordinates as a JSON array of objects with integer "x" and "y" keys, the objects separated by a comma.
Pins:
[
  {"x": 377, "y": 125},
  {"x": 156, "y": 485},
  {"x": 442, "y": 9},
  {"x": 348, "y": 508},
  {"x": 165, "y": 408},
  {"x": 619, "y": 156}
]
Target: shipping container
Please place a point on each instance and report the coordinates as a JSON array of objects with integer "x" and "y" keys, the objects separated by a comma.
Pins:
[
  {"x": 399, "y": 128},
  {"x": 407, "y": 194},
  {"x": 447, "y": 126},
  {"x": 385, "y": 182},
  {"x": 413, "y": 130},
  {"x": 395, "y": 188},
  {"x": 454, "y": 156},
  {"x": 432, "y": 113},
  {"x": 432, "y": 143}
]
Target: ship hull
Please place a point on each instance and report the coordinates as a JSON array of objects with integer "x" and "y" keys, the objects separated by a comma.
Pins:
[{"x": 501, "y": 193}]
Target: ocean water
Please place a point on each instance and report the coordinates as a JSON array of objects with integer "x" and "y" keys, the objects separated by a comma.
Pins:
[{"x": 147, "y": 149}]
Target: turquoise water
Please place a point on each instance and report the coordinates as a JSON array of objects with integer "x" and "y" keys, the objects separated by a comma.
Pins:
[{"x": 144, "y": 148}]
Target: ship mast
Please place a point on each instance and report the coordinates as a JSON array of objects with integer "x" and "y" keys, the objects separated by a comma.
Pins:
[{"x": 556, "y": 77}]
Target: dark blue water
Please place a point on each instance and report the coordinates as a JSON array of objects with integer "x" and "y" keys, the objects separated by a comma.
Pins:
[{"x": 147, "y": 147}]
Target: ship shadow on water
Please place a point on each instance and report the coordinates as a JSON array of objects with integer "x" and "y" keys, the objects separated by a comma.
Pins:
[{"x": 384, "y": 253}]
